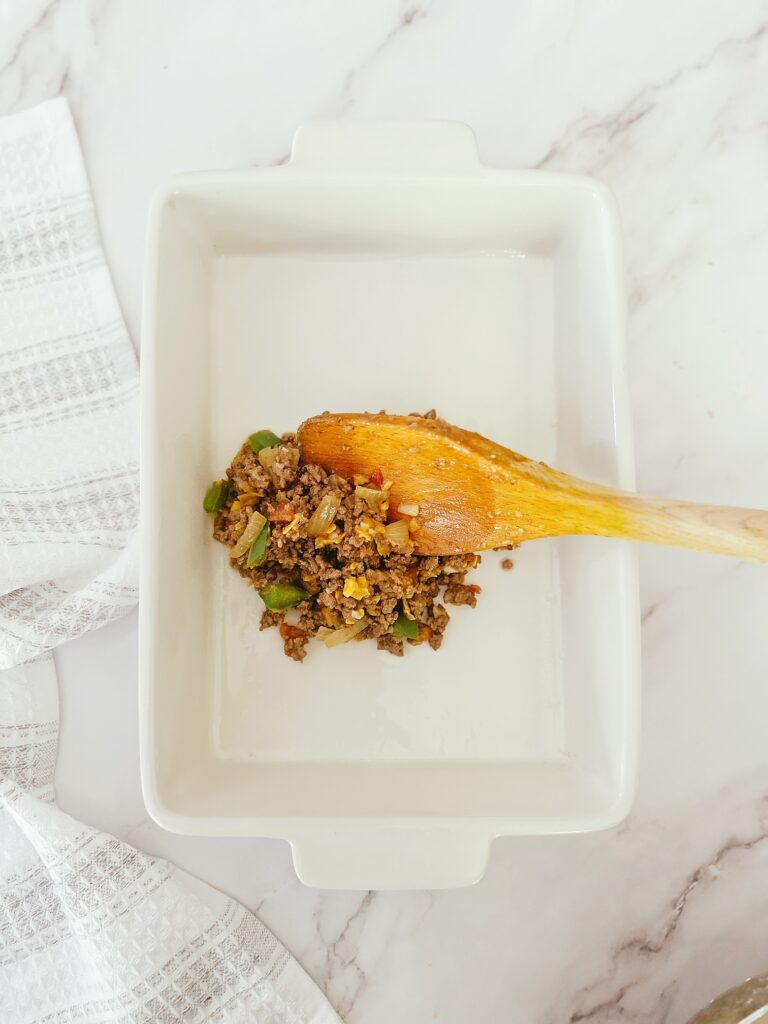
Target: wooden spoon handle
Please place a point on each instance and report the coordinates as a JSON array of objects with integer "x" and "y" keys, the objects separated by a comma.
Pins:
[{"x": 737, "y": 532}]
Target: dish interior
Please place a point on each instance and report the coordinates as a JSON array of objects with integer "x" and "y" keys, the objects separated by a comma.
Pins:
[{"x": 492, "y": 301}]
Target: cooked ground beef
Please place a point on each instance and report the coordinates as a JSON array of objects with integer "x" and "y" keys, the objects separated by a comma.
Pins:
[
  {"x": 357, "y": 571},
  {"x": 460, "y": 593},
  {"x": 393, "y": 644}
]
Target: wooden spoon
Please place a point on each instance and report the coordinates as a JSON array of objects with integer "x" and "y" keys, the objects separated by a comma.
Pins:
[{"x": 473, "y": 494}]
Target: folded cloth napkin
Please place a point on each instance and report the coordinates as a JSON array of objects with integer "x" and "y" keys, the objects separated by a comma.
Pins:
[{"x": 90, "y": 929}]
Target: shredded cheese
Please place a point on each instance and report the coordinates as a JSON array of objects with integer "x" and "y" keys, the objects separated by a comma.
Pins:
[
  {"x": 366, "y": 528},
  {"x": 357, "y": 587},
  {"x": 331, "y": 537},
  {"x": 292, "y": 525}
]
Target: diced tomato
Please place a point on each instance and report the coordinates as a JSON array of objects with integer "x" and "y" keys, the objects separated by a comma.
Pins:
[
  {"x": 289, "y": 632},
  {"x": 283, "y": 513},
  {"x": 377, "y": 478}
]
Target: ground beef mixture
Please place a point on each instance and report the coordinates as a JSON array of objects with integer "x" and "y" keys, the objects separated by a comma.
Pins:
[{"x": 325, "y": 561}]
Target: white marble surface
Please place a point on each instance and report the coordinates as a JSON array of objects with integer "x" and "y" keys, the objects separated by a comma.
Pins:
[{"x": 667, "y": 103}]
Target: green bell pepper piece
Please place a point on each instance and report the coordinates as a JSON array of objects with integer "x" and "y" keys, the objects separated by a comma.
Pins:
[
  {"x": 279, "y": 596},
  {"x": 258, "y": 551},
  {"x": 405, "y": 627},
  {"x": 264, "y": 439},
  {"x": 216, "y": 496}
]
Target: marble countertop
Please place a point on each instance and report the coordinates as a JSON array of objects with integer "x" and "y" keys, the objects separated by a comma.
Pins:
[{"x": 668, "y": 104}]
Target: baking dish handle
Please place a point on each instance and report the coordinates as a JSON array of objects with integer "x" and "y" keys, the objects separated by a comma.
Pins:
[
  {"x": 376, "y": 148},
  {"x": 390, "y": 857}
]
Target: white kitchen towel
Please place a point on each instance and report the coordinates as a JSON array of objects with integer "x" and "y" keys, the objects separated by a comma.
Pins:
[
  {"x": 91, "y": 929},
  {"x": 69, "y": 386}
]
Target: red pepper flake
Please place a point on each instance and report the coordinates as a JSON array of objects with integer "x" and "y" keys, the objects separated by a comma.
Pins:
[
  {"x": 474, "y": 588},
  {"x": 283, "y": 513},
  {"x": 377, "y": 478},
  {"x": 289, "y": 632}
]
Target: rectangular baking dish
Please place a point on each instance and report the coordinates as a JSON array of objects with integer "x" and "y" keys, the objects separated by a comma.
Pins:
[{"x": 385, "y": 267}]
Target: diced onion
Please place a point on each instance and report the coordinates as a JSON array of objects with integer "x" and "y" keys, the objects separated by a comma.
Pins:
[
  {"x": 408, "y": 510},
  {"x": 371, "y": 496},
  {"x": 250, "y": 533},
  {"x": 267, "y": 458},
  {"x": 341, "y": 636},
  {"x": 324, "y": 515},
  {"x": 398, "y": 535}
]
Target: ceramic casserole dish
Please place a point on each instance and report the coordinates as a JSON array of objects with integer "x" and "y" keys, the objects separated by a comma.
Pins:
[{"x": 385, "y": 267}]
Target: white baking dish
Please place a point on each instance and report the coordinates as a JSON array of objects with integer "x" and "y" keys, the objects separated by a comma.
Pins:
[{"x": 384, "y": 267}]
